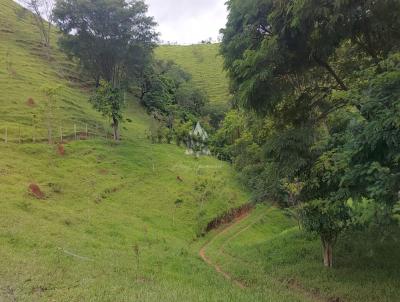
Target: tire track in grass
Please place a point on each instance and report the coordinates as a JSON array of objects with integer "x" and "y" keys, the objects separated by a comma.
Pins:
[
  {"x": 208, "y": 261},
  {"x": 291, "y": 285}
]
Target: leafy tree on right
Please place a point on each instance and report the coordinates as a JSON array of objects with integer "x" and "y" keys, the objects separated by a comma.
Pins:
[{"x": 318, "y": 83}]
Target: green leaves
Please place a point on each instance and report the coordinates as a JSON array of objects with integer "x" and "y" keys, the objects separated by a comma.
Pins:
[
  {"x": 326, "y": 74},
  {"x": 325, "y": 218},
  {"x": 168, "y": 89},
  {"x": 111, "y": 38},
  {"x": 108, "y": 100}
]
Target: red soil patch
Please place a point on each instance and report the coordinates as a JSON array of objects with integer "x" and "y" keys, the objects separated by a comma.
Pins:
[
  {"x": 103, "y": 172},
  {"x": 229, "y": 216},
  {"x": 36, "y": 192},
  {"x": 61, "y": 149},
  {"x": 31, "y": 102}
]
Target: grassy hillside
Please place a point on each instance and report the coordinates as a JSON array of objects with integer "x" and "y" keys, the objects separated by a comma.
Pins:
[
  {"x": 267, "y": 249},
  {"x": 206, "y": 67},
  {"x": 24, "y": 71},
  {"x": 108, "y": 228}
]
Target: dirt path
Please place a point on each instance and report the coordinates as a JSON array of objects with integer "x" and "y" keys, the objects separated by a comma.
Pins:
[
  {"x": 207, "y": 260},
  {"x": 291, "y": 285}
]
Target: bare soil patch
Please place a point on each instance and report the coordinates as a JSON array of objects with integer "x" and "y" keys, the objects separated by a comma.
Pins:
[{"x": 35, "y": 191}]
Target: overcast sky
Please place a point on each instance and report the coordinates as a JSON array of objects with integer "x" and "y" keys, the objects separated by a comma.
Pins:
[{"x": 188, "y": 21}]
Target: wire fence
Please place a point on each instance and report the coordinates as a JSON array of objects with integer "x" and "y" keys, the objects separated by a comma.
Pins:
[{"x": 19, "y": 134}]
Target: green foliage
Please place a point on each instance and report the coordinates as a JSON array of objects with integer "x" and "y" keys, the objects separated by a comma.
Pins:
[
  {"x": 190, "y": 98},
  {"x": 112, "y": 39},
  {"x": 206, "y": 68},
  {"x": 325, "y": 218},
  {"x": 168, "y": 89},
  {"x": 110, "y": 102},
  {"x": 111, "y": 198},
  {"x": 324, "y": 80},
  {"x": 181, "y": 131},
  {"x": 170, "y": 96},
  {"x": 375, "y": 146},
  {"x": 274, "y": 49}
]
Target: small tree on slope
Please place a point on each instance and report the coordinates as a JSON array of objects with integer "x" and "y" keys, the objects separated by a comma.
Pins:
[
  {"x": 328, "y": 220},
  {"x": 110, "y": 102}
]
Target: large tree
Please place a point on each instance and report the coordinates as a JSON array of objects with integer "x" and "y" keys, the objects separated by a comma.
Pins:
[
  {"x": 113, "y": 40},
  {"x": 300, "y": 63}
]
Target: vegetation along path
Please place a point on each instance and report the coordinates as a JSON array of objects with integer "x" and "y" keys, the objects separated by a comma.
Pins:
[
  {"x": 221, "y": 234},
  {"x": 217, "y": 245}
]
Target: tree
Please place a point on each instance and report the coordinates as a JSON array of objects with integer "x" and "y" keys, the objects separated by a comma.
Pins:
[
  {"x": 305, "y": 68},
  {"x": 328, "y": 220},
  {"x": 44, "y": 17},
  {"x": 109, "y": 101},
  {"x": 51, "y": 95},
  {"x": 190, "y": 98},
  {"x": 168, "y": 93},
  {"x": 113, "y": 39}
]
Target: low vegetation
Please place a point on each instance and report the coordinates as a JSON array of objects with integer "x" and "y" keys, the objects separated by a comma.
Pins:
[{"x": 267, "y": 250}]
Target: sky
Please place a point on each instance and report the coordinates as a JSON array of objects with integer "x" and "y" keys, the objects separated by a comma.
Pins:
[{"x": 188, "y": 21}]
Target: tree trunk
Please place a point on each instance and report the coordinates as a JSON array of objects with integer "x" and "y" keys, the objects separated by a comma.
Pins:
[
  {"x": 328, "y": 253},
  {"x": 115, "y": 128},
  {"x": 97, "y": 80}
]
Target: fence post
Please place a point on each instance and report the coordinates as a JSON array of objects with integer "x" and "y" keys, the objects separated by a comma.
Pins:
[
  {"x": 6, "y": 136},
  {"x": 75, "y": 131},
  {"x": 61, "y": 134},
  {"x": 19, "y": 134},
  {"x": 87, "y": 134},
  {"x": 50, "y": 135}
]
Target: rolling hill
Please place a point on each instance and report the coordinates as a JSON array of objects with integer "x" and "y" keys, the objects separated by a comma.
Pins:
[
  {"x": 106, "y": 224},
  {"x": 205, "y": 64},
  {"x": 108, "y": 228}
]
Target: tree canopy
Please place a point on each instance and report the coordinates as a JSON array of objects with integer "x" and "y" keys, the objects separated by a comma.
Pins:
[
  {"x": 317, "y": 86},
  {"x": 113, "y": 40}
]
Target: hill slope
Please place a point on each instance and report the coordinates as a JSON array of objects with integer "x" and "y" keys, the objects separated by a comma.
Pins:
[
  {"x": 206, "y": 67},
  {"x": 109, "y": 227}
]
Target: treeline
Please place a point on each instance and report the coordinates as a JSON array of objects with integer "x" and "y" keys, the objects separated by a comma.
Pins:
[
  {"x": 316, "y": 123},
  {"x": 170, "y": 96},
  {"x": 113, "y": 42}
]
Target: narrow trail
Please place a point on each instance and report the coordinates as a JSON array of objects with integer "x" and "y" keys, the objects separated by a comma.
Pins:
[
  {"x": 292, "y": 285},
  {"x": 206, "y": 259}
]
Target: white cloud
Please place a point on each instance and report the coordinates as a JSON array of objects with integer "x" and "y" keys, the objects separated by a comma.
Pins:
[{"x": 188, "y": 21}]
